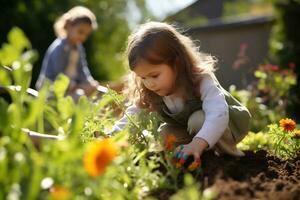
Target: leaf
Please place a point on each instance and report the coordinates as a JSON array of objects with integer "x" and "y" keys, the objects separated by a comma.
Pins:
[
  {"x": 8, "y": 54},
  {"x": 4, "y": 77},
  {"x": 66, "y": 107},
  {"x": 36, "y": 108},
  {"x": 11, "y": 51},
  {"x": 82, "y": 110},
  {"x": 3, "y": 113},
  {"x": 18, "y": 39},
  {"x": 61, "y": 85}
]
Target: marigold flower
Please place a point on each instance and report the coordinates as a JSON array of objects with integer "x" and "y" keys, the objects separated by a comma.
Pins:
[
  {"x": 296, "y": 134},
  {"x": 287, "y": 124},
  {"x": 169, "y": 142},
  {"x": 194, "y": 165},
  {"x": 178, "y": 165},
  {"x": 98, "y": 155},
  {"x": 60, "y": 193}
]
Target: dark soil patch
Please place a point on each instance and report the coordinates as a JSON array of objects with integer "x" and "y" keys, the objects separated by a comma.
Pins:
[{"x": 254, "y": 176}]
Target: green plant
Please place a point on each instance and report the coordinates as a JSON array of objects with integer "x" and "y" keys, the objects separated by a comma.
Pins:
[
  {"x": 268, "y": 99},
  {"x": 191, "y": 191},
  {"x": 54, "y": 168},
  {"x": 285, "y": 139},
  {"x": 281, "y": 140},
  {"x": 255, "y": 142},
  {"x": 284, "y": 41},
  {"x": 72, "y": 167}
]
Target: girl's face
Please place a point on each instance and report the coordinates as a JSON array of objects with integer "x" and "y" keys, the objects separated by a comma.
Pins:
[
  {"x": 78, "y": 33},
  {"x": 159, "y": 78}
]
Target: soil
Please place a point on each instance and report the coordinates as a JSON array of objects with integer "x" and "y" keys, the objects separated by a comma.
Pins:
[{"x": 254, "y": 176}]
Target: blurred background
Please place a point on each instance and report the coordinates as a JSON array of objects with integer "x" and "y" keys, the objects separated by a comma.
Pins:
[{"x": 242, "y": 34}]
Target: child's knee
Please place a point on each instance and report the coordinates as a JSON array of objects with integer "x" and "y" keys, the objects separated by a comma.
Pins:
[{"x": 195, "y": 122}]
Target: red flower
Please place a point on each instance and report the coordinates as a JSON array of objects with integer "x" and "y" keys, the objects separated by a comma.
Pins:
[{"x": 274, "y": 68}]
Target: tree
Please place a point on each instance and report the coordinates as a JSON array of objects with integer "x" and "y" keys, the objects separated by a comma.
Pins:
[
  {"x": 104, "y": 47},
  {"x": 285, "y": 41}
]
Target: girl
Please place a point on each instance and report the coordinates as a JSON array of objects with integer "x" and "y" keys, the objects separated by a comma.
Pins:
[
  {"x": 67, "y": 55},
  {"x": 171, "y": 77}
]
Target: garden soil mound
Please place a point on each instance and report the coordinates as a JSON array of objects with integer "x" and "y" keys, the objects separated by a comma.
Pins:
[{"x": 254, "y": 176}]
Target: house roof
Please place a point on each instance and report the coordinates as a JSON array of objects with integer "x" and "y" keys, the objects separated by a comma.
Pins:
[{"x": 234, "y": 22}]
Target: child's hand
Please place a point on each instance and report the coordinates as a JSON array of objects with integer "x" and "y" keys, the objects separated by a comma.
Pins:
[
  {"x": 90, "y": 87},
  {"x": 194, "y": 148}
]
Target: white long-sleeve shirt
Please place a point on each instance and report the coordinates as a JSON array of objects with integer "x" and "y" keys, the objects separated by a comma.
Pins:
[{"x": 214, "y": 107}]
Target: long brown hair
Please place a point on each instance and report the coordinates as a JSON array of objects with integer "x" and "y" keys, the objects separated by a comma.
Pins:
[{"x": 158, "y": 43}]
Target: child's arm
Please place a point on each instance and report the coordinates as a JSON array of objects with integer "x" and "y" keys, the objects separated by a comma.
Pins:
[
  {"x": 216, "y": 120},
  {"x": 216, "y": 111},
  {"x": 119, "y": 125}
]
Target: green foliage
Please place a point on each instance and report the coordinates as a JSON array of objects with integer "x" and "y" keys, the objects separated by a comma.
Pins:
[
  {"x": 277, "y": 140},
  {"x": 236, "y": 8},
  {"x": 105, "y": 46},
  {"x": 269, "y": 98},
  {"x": 248, "y": 7},
  {"x": 255, "y": 142},
  {"x": 191, "y": 191},
  {"x": 284, "y": 41},
  {"x": 57, "y": 169},
  {"x": 284, "y": 144},
  {"x": 12, "y": 50},
  {"x": 270, "y": 79}
]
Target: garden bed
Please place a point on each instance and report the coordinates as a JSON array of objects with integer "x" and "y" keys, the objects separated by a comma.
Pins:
[{"x": 255, "y": 176}]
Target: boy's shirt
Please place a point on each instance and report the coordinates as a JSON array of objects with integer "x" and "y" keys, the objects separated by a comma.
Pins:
[{"x": 59, "y": 59}]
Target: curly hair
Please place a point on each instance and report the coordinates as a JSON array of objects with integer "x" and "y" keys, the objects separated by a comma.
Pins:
[{"x": 158, "y": 43}]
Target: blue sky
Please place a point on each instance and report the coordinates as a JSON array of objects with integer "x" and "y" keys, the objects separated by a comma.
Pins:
[{"x": 162, "y": 8}]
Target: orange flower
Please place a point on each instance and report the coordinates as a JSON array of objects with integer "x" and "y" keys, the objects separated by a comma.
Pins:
[
  {"x": 296, "y": 134},
  {"x": 194, "y": 165},
  {"x": 169, "y": 143},
  {"x": 98, "y": 155},
  {"x": 287, "y": 124},
  {"x": 178, "y": 165},
  {"x": 60, "y": 193}
]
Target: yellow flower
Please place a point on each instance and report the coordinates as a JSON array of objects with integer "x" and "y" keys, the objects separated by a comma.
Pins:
[
  {"x": 169, "y": 142},
  {"x": 98, "y": 155},
  {"x": 296, "y": 134},
  {"x": 287, "y": 124},
  {"x": 60, "y": 193}
]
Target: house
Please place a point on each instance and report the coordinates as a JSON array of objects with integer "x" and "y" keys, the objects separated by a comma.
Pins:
[{"x": 236, "y": 32}]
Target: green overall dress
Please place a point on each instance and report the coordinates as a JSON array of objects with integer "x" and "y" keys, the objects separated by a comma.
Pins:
[{"x": 239, "y": 116}]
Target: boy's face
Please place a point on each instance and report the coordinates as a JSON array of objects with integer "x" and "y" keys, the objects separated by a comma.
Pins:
[
  {"x": 159, "y": 78},
  {"x": 78, "y": 33}
]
